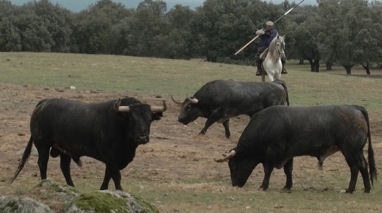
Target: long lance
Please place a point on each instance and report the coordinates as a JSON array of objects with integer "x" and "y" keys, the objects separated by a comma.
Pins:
[{"x": 273, "y": 22}]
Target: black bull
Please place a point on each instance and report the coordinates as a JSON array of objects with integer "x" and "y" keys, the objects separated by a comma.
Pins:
[
  {"x": 222, "y": 99},
  {"x": 109, "y": 132},
  {"x": 278, "y": 134}
]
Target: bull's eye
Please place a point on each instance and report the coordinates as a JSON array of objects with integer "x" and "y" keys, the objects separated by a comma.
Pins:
[{"x": 189, "y": 107}]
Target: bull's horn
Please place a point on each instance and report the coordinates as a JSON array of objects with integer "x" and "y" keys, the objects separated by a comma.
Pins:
[
  {"x": 123, "y": 108},
  {"x": 226, "y": 156},
  {"x": 193, "y": 100},
  {"x": 119, "y": 108},
  {"x": 117, "y": 103},
  {"x": 177, "y": 102},
  {"x": 159, "y": 109}
]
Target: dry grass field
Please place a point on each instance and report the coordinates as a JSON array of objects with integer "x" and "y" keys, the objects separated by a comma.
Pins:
[{"x": 176, "y": 170}]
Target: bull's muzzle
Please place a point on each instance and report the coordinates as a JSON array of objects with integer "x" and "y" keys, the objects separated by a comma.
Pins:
[
  {"x": 142, "y": 139},
  {"x": 180, "y": 120}
]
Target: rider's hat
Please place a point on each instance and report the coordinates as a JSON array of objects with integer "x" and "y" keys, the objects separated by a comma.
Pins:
[{"x": 269, "y": 23}]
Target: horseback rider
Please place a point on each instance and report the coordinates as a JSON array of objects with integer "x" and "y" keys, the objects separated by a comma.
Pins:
[{"x": 266, "y": 36}]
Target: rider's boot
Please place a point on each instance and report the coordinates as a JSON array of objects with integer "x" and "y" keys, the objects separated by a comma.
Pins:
[
  {"x": 283, "y": 70},
  {"x": 259, "y": 68}
]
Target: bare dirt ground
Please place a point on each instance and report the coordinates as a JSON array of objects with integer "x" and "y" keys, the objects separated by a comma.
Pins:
[{"x": 174, "y": 154}]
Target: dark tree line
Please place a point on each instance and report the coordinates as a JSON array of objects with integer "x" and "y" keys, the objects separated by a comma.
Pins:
[{"x": 346, "y": 32}]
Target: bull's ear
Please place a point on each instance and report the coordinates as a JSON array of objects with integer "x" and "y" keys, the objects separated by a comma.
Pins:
[
  {"x": 119, "y": 108},
  {"x": 157, "y": 116},
  {"x": 117, "y": 104}
]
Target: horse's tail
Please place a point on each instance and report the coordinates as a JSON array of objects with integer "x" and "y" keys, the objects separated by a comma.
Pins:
[
  {"x": 372, "y": 167},
  {"x": 283, "y": 84},
  {"x": 24, "y": 159}
]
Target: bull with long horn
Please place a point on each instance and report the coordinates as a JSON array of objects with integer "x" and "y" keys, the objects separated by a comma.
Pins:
[
  {"x": 220, "y": 100},
  {"x": 108, "y": 131}
]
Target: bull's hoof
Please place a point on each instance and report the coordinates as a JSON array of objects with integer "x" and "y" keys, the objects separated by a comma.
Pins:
[
  {"x": 201, "y": 138},
  {"x": 348, "y": 191},
  {"x": 367, "y": 190},
  {"x": 200, "y": 135},
  {"x": 286, "y": 190},
  {"x": 263, "y": 188}
]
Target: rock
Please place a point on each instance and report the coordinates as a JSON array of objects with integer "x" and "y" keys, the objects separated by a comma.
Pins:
[
  {"x": 22, "y": 205},
  {"x": 65, "y": 191},
  {"x": 64, "y": 198},
  {"x": 109, "y": 201}
]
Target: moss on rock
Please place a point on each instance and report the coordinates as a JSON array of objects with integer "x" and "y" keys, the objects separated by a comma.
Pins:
[
  {"x": 109, "y": 201},
  {"x": 55, "y": 187}
]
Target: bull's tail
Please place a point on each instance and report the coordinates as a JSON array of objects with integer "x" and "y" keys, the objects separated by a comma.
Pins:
[
  {"x": 24, "y": 159},
  {"x": 283, "y": 84},
  {"x": 372, "y": 167}
]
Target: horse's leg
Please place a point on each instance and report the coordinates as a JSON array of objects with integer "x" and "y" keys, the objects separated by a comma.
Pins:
[
  {"x": 263, "y": 73},
  {"x": 278, "y": 75},
  {"x": 270, "y": 76},
  {"x": 279, "y": 70}
]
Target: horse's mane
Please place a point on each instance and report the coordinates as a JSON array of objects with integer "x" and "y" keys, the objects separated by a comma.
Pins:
[{"x": 272, "y": 48}]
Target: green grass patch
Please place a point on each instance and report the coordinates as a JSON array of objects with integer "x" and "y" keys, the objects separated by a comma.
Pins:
[{"x": 153, "y": 76}]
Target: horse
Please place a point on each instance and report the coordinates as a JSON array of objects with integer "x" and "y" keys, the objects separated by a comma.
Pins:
[{"x": 271, "y": 64}]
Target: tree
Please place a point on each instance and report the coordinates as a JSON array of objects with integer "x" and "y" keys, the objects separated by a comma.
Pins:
[
  {"x": 146, "y": 24},
  {"x": 10, "y": 39},
  {"x": 177, "y": 42},
  {"x": 304, "y": 28},
  {"x": 58, "y": 22},
  {"x": 224, "y": 26},
  {"x": 374, "y": 47},
  {"x": 34, "y": 34},
  {"x": 347, "y": 31},
  {"x": 94, "y": 31}
]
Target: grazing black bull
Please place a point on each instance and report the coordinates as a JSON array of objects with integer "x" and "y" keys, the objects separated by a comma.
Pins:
[
  {"x": 109, "y": 132},
  {"x": 278, "y": 134},
  {"x": 222, "y": 99}
]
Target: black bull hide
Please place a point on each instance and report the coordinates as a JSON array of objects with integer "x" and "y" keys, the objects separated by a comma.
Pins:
[
  {"x": 278, "y": 134},
  {"x": 109, "y": 132},
  {"x": 223, "y": 99}
]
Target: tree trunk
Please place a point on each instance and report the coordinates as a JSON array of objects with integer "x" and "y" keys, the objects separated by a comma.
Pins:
[
  {"x": 301, "y": 62},
  {"x": 348, "y": 69},
  {"x": 311, "y": 63},
  {"x": 317, "y": 65},
  {"x": 329, "y": 65},
  {"x": 366, "y": 67}
]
